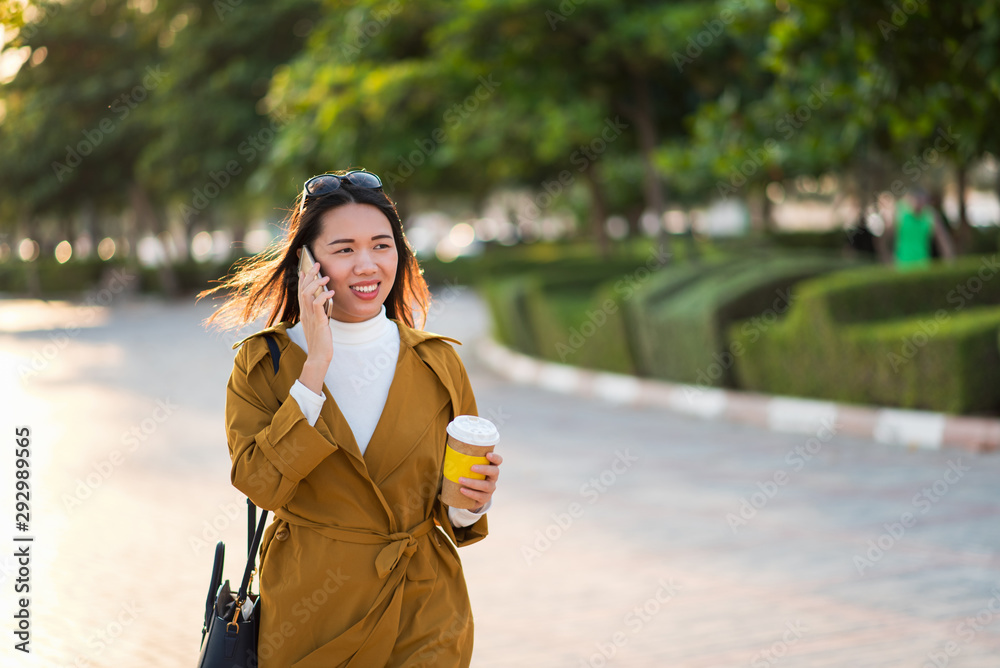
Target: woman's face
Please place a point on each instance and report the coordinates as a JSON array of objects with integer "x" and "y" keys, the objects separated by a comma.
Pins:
[{"x": 355, "y": 248}]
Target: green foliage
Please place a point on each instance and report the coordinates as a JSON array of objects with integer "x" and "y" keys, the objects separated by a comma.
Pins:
[
  {"x": 507, "y": 303},
  {"x": 687, "y": 332},
  {"x": 53, "y": 279},
  {"x": 77, "y": 277},
  {"x": 923, "y": 340},
  {"x": 577, "y": 316}
]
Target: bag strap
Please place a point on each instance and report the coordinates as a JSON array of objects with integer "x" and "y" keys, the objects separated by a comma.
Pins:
[
  {"x": 213, "y": 587},
  {"x": 275, "y": 353},
  {"x": 251, "y": 525},
  {"x": 255, "y": 533},
  {"x": 251, "y": 508},
  {"x": 251, "y": 564}
]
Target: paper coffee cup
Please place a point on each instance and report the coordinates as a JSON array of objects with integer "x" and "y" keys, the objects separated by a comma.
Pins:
[{"x": 469, "y": 439}]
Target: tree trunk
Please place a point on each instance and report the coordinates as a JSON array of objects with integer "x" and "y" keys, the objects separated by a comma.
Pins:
[
  {"x": 641, "y": 115},
  {"x": 963, "y": 233},
  {"x": 147, "y": 218},
  {"x": 759, "y": 211},
  {"x": 598, "y": 210}
]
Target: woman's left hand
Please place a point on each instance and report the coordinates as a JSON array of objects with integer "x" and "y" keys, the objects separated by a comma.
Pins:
[{"x": 482, "y": 490}]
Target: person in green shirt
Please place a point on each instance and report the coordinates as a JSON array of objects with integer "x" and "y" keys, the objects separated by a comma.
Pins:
[{"x": 916, "y": 226}]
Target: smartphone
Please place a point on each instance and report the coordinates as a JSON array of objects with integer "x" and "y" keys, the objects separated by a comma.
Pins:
[{"x": 306, "y": 262}]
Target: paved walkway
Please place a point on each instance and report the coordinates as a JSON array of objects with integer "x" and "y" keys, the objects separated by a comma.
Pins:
[{"x": 620, "y": 536}]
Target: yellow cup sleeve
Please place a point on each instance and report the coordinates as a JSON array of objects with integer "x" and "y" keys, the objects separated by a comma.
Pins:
[{"x": 457, "y": 465}]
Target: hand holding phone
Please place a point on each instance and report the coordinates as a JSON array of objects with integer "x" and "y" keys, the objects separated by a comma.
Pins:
[{"x": 306, "y": 262}]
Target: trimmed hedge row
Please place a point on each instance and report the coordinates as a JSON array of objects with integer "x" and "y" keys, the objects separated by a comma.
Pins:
[
  {"x": 539, "y": 312},
  {"x": 686, "y": 337},
  {"x": 668, "y": 323},
  {"x": 923, "y": 339}
]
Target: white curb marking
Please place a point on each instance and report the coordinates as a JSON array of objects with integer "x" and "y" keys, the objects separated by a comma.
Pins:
[
  {"x": 559, "y": 378},
  {"x": 896, "y": 427},
  {"x": 616, "y": 388},
  {"x": 800, "y": 416},
  {"x": 700, "y": 401}
]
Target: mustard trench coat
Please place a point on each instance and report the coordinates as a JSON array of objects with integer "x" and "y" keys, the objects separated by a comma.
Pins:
[{"x": 359, "y": 567}]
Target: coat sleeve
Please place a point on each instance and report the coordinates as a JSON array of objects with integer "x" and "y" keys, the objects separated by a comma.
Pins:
[
  {"x": 467, "y": 406},
  {"x": 271, "y": 443}
]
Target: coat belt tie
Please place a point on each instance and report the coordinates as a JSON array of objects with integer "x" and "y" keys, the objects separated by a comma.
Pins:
[{"x": 398, "y": 545}]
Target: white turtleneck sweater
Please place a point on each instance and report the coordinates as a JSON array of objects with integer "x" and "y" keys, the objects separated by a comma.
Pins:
[{"x": 359, "y": 376}]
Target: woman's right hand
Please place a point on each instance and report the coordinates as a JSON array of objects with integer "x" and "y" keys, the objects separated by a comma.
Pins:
[{"x": 316, "y": 327}]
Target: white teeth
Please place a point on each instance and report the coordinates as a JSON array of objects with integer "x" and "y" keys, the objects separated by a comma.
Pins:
[{"x": 369, "y": 288}]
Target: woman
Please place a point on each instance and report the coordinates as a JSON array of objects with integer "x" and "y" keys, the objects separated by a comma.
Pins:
[{"x": 345, "y": 442}]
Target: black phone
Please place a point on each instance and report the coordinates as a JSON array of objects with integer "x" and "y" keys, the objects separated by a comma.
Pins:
[{"x": 306, "y": 262}]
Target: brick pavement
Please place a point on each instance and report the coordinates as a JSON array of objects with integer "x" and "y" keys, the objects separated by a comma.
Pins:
[{"x": 609, "y": 544}]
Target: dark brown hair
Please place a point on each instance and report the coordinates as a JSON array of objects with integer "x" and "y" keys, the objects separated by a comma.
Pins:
[{"x": 267, "y": 284}]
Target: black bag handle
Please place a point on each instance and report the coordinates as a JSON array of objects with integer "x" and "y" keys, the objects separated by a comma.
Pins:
[
  {"x": 213, "y": 586},
  {"x": 251, "y": 563},
  {"x": 255, "y": 533}
]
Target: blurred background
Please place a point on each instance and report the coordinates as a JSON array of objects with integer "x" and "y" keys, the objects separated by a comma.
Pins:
[
  {"x": 790, "y": 198},
  {"x": 744, "y": 145}
]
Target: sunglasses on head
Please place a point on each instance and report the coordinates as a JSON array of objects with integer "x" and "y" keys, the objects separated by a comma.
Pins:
[{"x": 324, "y": 184}]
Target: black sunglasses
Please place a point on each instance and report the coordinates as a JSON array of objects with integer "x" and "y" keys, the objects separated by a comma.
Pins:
[{"x": 327, "y": 183}]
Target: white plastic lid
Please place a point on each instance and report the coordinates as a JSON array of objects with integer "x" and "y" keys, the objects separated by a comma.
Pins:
[{"x": 474, "y": 430}]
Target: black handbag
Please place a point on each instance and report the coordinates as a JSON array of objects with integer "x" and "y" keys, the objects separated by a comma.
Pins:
[{"x": 228, "y": 637}]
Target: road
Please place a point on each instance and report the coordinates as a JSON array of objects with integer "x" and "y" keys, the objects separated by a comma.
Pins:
[{"x": 619, "y": 537}]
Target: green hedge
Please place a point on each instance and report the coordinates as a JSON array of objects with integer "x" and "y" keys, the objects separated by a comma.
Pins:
[
  {"x": 53, "y": 279},
  {"x": 507, "y": 303},
  {"x": 922, "y": 340},
  {"x": 79, "y": 276},
  {"x": 645, "y": 341},
  {"x": 686, "y": 334},
  {"x": 574, "y": 310}
]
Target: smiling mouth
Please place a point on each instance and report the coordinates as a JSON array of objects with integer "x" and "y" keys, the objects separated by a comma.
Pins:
[{"x": 366, "y": 289}]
